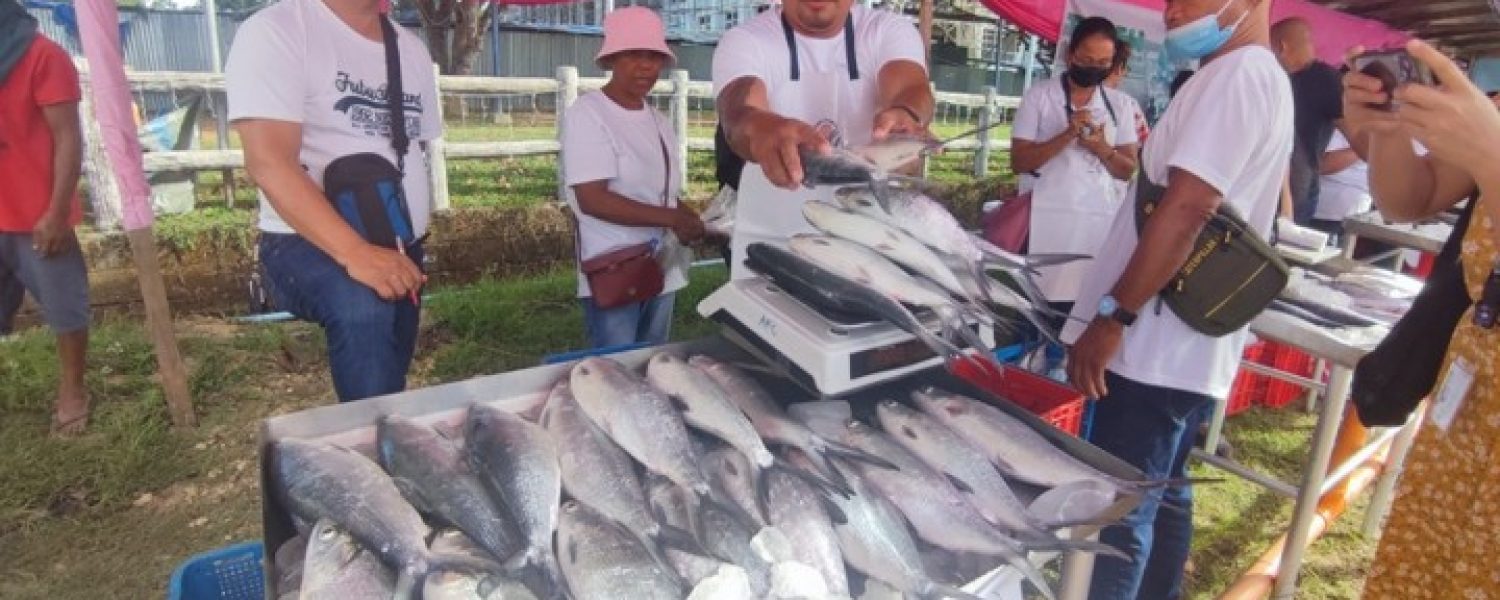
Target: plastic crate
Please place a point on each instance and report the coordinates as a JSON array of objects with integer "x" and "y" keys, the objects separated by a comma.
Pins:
[
  {"x": 228, "y": 573},
  {"x": 1289, "y": 360},
  {"x": 1249, "y": 388},
  {"x": 1055, "y": 403}
]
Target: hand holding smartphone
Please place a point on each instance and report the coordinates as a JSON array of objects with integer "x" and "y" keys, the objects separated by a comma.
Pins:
[{"x": 1394, "y": 68}]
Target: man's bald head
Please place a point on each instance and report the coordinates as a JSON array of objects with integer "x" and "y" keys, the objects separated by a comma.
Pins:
[{"x": 1292, "y": 39}]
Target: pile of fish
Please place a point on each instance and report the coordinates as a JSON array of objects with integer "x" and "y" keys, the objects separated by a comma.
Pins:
[{"x": 688, "y": 481}]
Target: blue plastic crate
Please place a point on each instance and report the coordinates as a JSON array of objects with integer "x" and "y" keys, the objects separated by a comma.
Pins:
[
  {"x": 552, "y": 359},
  {"x": 228, "y": 573}
]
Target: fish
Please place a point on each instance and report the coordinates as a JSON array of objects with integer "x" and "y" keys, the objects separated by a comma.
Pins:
[
  {"x": 1016, "y": 449},
  {"x": 891, "y": 242},
  {"x": 895, "y": 152},
  {"x": 337, "y": 568},
  {"x": 319, "y": 480},
  {"x": 434, "y": 474},
  {"x": 733, "y": 479},
  {"x": 799, "y": 511},
  {"x": 937, "y": 512},
  {"x": 707, "y": 407},
  {"x": 641, "y": 419},
  {"x": 468, "y": 586},
  {"x": 874, "y": 540},
  {"x": 865, "y": 266},
  {"x": 773, "y": 424},
  {"x": 825, "y": 288},
  {"x": 518, "y": 461},
  {"x": 835, "y": 168},
  {"x": 288, "y": 561},
  {"x": 724, "y": 535},
  {"x": 601, "y": 560},
  {"x": 598, "y": 473}
]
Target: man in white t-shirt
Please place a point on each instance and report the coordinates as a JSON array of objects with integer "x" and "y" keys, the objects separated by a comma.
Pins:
[
  {"x": 808, "y": 76},
  {"x": 1226, "y": 137},
  {"x": 1344, "y": 187},
  {"x": 307, "y": 83}
]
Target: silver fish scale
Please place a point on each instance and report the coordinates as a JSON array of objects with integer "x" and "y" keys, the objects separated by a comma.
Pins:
[
  {"x": 600, "y": 560},
  {"x": 595, "y": 471},
  {"x": 874, "y": 539},
  {"x": 707, "y": 406},
  {"x": 521, "y": 462},
  {"x": 1011, "y": 444},
  {"x": 639, "y": 418},
  {"x": 795, "y": 509},
  {"x": 337, "y": 567}
]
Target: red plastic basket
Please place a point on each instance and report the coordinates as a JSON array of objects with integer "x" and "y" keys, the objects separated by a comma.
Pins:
[
  {"x": 1290, "y": 360},
  {"x": 1055, "y": 403},
  {"x": 1249, "y": 388}
]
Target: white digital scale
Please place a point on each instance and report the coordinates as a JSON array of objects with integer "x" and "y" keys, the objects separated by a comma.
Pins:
[{"x": 826, "y": 356}]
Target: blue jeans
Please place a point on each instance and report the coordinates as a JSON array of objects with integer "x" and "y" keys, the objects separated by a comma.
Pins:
[
  {"x": 370, "y": 340},
  {"x": 1152, "y": 428},
  {"x": 642, "y": 322}
]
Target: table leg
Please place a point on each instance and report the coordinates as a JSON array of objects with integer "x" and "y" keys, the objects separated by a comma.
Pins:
[
  {"x": 1310, "y": 396},
  {"x": 1349, "y": 242},
  {"x": 1077, "y": 574},
  {"x": 1385, "y": 489},
  {"x": 1216, "y": 426},
  {"x": 1313, "y": 474}
]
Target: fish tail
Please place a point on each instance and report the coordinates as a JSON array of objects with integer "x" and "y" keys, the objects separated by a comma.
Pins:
[
  {"x": 837, "y": 450},
  {"x": 1054, "y": 259},
  {"x": 932, "y": 590},
  {"x": 553, "y": 572},
  {"x": 707, "y": 502},
  {"x": 1060, "y": 545},
  {"x": 813, "y": 478},
  {"x": 676, "y": 538},
  {"x": 654, "y": 549},
  {"x": 1037, "y": 579}
]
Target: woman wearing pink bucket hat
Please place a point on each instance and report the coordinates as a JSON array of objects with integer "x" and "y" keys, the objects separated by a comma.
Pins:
[{"x": 617, "y": 157}]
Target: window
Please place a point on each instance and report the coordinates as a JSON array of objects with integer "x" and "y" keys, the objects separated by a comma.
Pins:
[
  {"x": 731, "y": 18},
  {"x": 706, "y": 22}
]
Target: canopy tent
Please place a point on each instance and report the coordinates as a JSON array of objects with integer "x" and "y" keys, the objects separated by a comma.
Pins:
[{"x": 1337, "y": 31}]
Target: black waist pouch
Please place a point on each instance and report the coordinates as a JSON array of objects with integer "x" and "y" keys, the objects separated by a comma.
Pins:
[{"x": 366, "y": 191}]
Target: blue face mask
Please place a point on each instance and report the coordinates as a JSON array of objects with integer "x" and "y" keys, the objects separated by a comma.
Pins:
[{"x": 1201, "y": 37}]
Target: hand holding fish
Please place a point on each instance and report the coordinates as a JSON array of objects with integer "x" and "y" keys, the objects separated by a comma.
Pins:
[
  {"x": 898, "y": 120},
  {"x": 775, "y": 147},
  {"x": 1091, "y": 355},
  {"x": 688, "y": 226}
]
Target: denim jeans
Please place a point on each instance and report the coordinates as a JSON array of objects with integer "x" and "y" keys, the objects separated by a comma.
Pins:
[
  {"x": 643, "y": 322},
  {"x": 370, "y": 340},
  {"x": 1152, "y": 428}
]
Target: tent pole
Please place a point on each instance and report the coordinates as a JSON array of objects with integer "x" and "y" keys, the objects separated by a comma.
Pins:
[{"x": 924, "y": 19}]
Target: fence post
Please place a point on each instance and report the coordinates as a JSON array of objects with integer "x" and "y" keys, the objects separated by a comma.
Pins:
[
  {"x": 104, "y": 191},
  {"x": 437, "y": 157},
  {"x": 926, "y": 157},
  {"x": 567, "y": 92},
  {"x": 986, "y": 116},
  {"x": 680, "y": 124}
]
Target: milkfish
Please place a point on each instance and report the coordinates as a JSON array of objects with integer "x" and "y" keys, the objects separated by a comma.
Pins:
[
  {"x": 601, "y": 560},
  {"x": 518, "y": 461},
  {"x": 801, "y": 513},
  {"x": 336, "y": 567},
  {"x": 640, "y": 418}
]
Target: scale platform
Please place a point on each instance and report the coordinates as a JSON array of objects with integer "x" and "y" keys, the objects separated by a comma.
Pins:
[{"x": 827, "y": 354}]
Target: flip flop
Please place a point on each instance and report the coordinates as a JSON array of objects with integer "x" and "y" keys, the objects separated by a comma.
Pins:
[{"x": 71, "y": 427}]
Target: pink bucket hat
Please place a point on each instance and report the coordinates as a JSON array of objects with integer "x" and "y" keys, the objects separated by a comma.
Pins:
[{"x": 634, "y": 28}]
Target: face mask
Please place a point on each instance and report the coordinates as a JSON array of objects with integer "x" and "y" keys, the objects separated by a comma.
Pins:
[
  {"x": 1087, "y": 76},
  {"x": 1201, "y": 37}
]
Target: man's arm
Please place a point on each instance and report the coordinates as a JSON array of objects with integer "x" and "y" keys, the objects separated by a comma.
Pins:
[
  {"x": 905, "y": 100},
  {"x": 271, "y": 159},
  {"x": 53, "y": 232},
  {"x": 1165, "y": 245},
  {"x": 764, "y": 137}
]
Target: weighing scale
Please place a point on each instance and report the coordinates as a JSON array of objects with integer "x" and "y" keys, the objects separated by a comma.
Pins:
[{"x": 829, "y": 354}]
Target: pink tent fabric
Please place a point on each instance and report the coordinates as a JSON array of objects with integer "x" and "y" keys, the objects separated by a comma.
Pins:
[
  {"x": 1336, "y": 31},
  {"x": 99, "y": 27}
]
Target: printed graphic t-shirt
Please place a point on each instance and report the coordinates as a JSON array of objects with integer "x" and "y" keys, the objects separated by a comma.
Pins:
[{"x": 296, "y": 61}]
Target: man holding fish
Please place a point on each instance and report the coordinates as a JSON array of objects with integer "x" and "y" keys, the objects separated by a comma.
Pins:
[
  {"x": 1225, "y": 140},
  {"x": 809, "y": 77}
]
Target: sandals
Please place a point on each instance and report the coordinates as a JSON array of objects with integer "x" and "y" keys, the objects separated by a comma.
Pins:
[{"x": 70, "y": 427}]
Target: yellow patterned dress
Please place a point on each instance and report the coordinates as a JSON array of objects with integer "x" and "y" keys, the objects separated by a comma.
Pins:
[{"x": 1443, "y": 537}]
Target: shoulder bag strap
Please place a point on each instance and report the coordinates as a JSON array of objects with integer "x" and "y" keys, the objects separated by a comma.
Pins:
[{"x": 395, "y": 96}]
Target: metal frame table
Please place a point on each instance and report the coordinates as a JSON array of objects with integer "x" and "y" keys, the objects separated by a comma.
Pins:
[
  {"x": 1424, "y": 238},
  {"x": 1317, "y": 479}
]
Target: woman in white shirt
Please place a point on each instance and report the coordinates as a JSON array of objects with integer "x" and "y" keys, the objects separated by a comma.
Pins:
[
  {"x": 617, "y": 157},
  {"x": 1345, "y": 186},
  {"x": 1076, "y": 136}
]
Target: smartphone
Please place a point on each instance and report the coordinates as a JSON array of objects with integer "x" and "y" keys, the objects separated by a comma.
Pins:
[{"x": 1394, "y": 68}]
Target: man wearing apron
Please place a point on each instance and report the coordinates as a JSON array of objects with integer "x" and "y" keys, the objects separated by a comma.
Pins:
[{"x": 812, "y": 75}]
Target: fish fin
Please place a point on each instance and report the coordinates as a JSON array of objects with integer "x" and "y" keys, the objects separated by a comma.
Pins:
[
  {"x": 678, "y": 403},
  {"x": 413, "y": 494},
  {"x": 408, "y": 586},
  {"x": 825, "y": 467},
  {"x": 958, "y": 483},
  {"x": 933, "y": 590},
  {"x": 660, "y": 558},
  {"x": 1060, "y": 545},
  {"x": 1038, "y": 581},
  {"x": 838, "y": 450},
  {"x": 817, "y": 480},
  {"x": 677, "y": 538},
  {"x": 707, "y": 502},
  {"x": 835, "y": 514}
]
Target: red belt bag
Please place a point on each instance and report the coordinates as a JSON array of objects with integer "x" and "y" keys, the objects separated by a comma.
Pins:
[{"x": 625, "y": 276}]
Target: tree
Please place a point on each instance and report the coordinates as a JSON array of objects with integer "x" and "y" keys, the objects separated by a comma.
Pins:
[{"x": 455, "y": 31}]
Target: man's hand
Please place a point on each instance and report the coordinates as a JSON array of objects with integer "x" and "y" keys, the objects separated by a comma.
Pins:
[
  {"x": 389, "y": 273},
  {"x": 52, "y": 235},
  {"x": 898, "y": 120},
  {"x": 1093, "y": 141},
  {"x": 1091, "y": 355},
  {"x": 774, "y": 145},
  {"x": 688, "y": 225},
  {"x": 1080, "y": 123}
]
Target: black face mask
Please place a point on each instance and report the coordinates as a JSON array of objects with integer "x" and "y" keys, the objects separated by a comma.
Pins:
[{"x": 1087, "y": 76}]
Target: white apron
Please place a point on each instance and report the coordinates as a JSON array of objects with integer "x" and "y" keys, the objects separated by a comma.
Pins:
[
  {"x": 839, "y": 96},
  {"x": 1073, "y": 204}
]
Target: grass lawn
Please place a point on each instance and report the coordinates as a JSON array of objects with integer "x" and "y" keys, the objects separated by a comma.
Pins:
[{"x": 109, "y": 515}]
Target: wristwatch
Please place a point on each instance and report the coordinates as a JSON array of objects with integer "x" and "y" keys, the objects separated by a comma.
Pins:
[{"x": 1109, "y": 308}]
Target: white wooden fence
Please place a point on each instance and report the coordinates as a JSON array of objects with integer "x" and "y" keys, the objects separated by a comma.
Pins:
[{"x": 566, "y": 85}]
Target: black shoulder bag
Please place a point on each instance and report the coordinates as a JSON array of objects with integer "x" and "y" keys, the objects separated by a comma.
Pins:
[
  {"x": 365, "y": 188},
  {"x": 1392, "y": 380}
]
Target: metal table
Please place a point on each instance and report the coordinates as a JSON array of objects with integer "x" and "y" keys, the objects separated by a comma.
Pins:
[
  {"x": 1317, "y": 479},
  {"x": 524, "y": 391},
  {"x": 1425, "y": 237}
]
